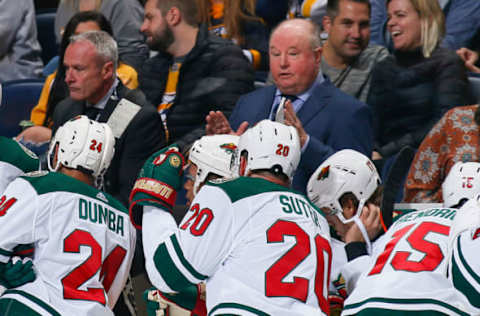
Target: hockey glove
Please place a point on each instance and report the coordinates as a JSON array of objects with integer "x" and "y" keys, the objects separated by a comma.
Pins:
[
  {"x": 185, "y": 303},
  {"x": 158, "y": 182},
  {"x": 17, "y": 272}
]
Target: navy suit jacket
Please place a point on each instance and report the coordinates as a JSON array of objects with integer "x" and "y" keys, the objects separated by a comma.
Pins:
[{"x": 333, "y": 119}]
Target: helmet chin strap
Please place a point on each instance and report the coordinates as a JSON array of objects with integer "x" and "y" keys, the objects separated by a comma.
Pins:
[{"x": 358, "y": 221}]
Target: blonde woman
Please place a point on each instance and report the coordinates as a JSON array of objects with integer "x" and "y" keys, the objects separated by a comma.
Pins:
[{"x": 419, "y": 82}]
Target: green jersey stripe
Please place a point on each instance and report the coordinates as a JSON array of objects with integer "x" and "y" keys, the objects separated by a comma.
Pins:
[
  {"x": 389, "y": 312},
  {"x": 6, "y": 252},
  {"x": 238, "y": 306},
  {"x": 184, "y": 261},
  {"x": 168, "y": 270},
  {"x": 405, "y": 301},
  {"x": 35, "y": 300},
  {"x": 12, "y": 306},
  {"x": 459, "y": 280}
]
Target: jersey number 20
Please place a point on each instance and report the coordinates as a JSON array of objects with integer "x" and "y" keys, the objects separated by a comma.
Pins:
[
  {"x": 89, "y": 267},
  {"x": 298, "y": 289}
]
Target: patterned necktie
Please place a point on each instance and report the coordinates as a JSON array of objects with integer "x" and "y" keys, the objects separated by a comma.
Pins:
[{"x": 278, "y": 111}]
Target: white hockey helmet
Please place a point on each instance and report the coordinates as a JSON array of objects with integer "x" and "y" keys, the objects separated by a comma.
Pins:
[
  {"x": 83, "y": 144},
  {"x": 462, "y": 182},
  {"x": 345, "y": 171},
  {"x": 271, "y": 145},
  {"x": 213, "y": 154}
]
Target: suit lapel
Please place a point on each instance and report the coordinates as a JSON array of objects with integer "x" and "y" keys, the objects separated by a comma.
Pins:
[
  {"x": 319, "y": 99},
  {"x": 263, "y": 111}
]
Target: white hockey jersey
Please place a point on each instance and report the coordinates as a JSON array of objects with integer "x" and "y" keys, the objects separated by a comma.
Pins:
[
  {"x": 407, "y": 270},
  {"x": 83, "y": 244},
  {"x": 464, "y": 264},
  {"x": 262, "y": 249},
  {"x": 15, "y": 160}
]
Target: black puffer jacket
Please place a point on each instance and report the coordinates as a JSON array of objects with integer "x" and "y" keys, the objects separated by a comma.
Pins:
[
  {"x": 213, "y": 76},
  {"x": 410, "y": 93}
]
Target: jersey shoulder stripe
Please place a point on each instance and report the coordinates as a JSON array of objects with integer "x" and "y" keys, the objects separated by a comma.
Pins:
[
  {"x": 16, "y": 154},
  {"x": 242, "y": 308},
  {"x": 402, "y": 303},
  {"x": 243, "y": 187},
  {"x": 57, "y": 182},
  {"x": 34, "y": 300},
  {"x": 389, "y": 312},
  {"x": 170, "y": 273},
  {"x": 461, "y": 267}
]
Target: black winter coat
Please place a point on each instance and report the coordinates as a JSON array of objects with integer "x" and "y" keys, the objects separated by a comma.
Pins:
[
  {"x": 213, "y": 75},
  {"x": 410, "y": 93}
]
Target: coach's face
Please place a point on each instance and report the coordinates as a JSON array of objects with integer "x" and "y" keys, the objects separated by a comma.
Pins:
[
  {"x": 293, "y": 63},
  {"x": 87, "y": 75}
]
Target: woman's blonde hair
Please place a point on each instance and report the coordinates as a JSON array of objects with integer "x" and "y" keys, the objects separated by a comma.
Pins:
[
  {"x": 236, "y": 12},
  {"x": 432, "y": 21}
]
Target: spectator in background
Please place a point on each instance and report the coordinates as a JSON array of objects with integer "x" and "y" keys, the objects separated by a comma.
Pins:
[
  {"x": 55, "y": 88},
  {"x": 347, "y": 57},
  {"x": 195, "y": 72},
  {"x": 236, "y": 20},
  {"x": 414, "y": 87},
  {"x": 125, "y": 17},
  {"x": 456, "y": 137},
  {"x": 19, "y": 48},
  {"x": 462, "y": 21}
]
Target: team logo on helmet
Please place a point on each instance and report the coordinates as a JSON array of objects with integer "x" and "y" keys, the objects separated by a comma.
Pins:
[
  {"x": 324, "y": 173},
  {"x": 229, "y": 147}
]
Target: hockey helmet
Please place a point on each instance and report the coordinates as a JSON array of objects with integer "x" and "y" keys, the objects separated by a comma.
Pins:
[
  {"x": 346, "y": 171},
  {"x": 271, "y": 145},
  {"x": 83, "y": 144},
  {"x": 213, "y": 154},
  {"x": 462, "y": 182}
]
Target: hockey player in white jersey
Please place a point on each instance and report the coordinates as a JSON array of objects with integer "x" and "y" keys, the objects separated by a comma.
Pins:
[
  {"x": 347, "y": 188},
  {"x": 209, "y": 158},
  {"x": 83, "y": 238},
  {"x": 261, "y": 248},
  {"x": 407, "y": 271},
  {"x": 15, "y": 160},
  {"x": 463, "y": 182}
]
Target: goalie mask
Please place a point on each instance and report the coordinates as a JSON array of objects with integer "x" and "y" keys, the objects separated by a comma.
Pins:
[
  {"x": 271, "y": 145},
  {"x": 462, "y": 182},
  {"x": 83, "y": 144},
  {"x": 213, "y": 154},
  {"x": 346, "y": 171}
]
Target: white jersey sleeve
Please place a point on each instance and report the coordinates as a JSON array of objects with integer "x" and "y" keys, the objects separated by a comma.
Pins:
[
  {"x": 18, "y": 215},
  {"x": 187, "y": 254},
  {"x": 464, "y": 266}
]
